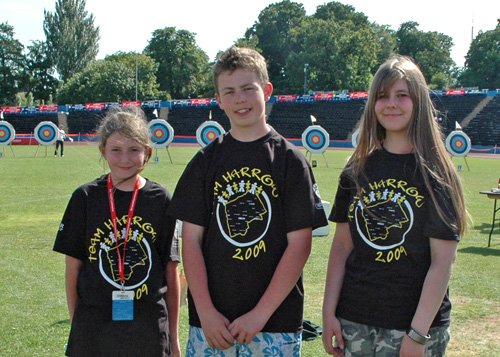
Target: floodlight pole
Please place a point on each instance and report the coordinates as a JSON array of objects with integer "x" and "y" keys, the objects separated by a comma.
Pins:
[
  {"x": 306, "y": 66},
  {"x": 136, "y": 77}
]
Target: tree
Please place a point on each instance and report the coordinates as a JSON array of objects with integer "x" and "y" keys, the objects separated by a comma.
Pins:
[
  {"x": 387, "y": 39},
  {"x": 336, "y": 59},
  {"x": 341, "y": 13},
  {"x": 40, "y": 73},
  {"x": 430, "y": 50},
  {"x": 144, "y": 68},
  {"x": 183, "y": 67},
  {"x": 11, "y": 64},
  {"x": 72, "y": 38},
  {"x": 112, "y": 80},
  {"x": 335, "y": 48},
  {"x": 274, "y": 31},
  {"x": 483, "y": 60}
]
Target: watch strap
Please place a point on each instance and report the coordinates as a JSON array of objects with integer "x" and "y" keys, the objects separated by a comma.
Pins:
[{"x": 417, "y": 336}]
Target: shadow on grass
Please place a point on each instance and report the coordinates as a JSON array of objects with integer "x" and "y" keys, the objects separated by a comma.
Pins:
[
  {"x": 484, "y": 251},
  {"x": 61, "y": 322},
  {"x": 485, "y": 228}
]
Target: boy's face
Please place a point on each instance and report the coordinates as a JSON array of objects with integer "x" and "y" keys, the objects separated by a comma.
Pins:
[{"x": 243, "y": 99}]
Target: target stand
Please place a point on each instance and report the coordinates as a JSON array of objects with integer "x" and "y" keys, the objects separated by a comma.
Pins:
[
  {"x": 46, "y": 133},
  {"x": 315, "y": 140},
  {"x": 162, "y": 135},
  {"x": 7, "y": 134},
  {"x": 458, "y": 145}
]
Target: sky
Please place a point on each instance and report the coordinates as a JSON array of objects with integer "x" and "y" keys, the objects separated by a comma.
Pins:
[{"x": 127, "y": 25}]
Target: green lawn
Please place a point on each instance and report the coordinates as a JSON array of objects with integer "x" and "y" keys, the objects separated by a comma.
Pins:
[{"x": 34, "y": 192}]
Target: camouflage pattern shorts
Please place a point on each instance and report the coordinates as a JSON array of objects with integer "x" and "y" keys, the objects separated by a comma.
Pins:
[{"x": 363, "y": 340}]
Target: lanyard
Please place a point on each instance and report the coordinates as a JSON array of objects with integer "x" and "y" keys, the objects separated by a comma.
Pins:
[{"x": 112, "y": 210}]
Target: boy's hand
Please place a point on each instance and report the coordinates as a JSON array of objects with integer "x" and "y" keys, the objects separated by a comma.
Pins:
[
  {"x": 245, "y": 327},
  {"x": 332, "y": 336},
  {"x": 215, "y": 327}
]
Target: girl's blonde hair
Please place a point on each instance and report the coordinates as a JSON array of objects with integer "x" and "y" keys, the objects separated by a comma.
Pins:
[
  {"x": 424, "y": 134},
  {"x": 129, "y": 122}
]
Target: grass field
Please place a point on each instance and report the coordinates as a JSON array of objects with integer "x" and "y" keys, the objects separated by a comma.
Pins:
[{"x": 34, "y": 192}]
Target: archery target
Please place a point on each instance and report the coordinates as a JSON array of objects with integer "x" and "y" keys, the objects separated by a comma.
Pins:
[
  {"x": 7, "y": 133},
  {"x": 355, "y": 138},
  {"x": 208, "y": 132},
  {"x": 162, "y": 133},
  {"x": 458, "y": 143},
  {"x": 46, "y": 133},
  {"x": 315, "y": 139}
]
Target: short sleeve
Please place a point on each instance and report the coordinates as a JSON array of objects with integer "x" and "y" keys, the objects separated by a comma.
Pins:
[
  {"x": 301, "y": 202},
  {"x": 189, "y": 202},
  {"x": 343, "y": 196},
  {"x": 70, "y": 238},
  {"x": 435, "y": 226}
]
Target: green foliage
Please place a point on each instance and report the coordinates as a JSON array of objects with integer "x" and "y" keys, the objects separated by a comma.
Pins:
[
  {"x": 72, "y": 38},
  {"x": 341, "y": 48},
  {"x": 34, "y": 319},
  {"x": 183, "y": 69},
  {"x": 430, "y": 50},
  {"x": 483, "y": 61},
  {"x": 145, "y": 68},
  {"x": 40, "y": 72},
  {"x": 273, "y": 32},
  {"x": 387, "y": 40},
  {"x": 440, "y": 81},
  {"x": 334, "y": 48},
  {"x": 112, "y": 80},
  {"x": 11, "y": 64}
]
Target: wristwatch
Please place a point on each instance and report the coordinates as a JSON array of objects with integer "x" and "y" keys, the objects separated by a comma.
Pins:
[{"x": 418, "y": 337}]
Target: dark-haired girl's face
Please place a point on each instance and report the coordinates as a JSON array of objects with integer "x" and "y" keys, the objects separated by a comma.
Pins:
[{"x": 394, "y": 107}]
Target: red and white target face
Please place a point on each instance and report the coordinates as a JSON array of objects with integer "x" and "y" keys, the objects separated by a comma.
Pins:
[
  {"x": 208, "y": 132},
  {"x": 315, "y": 139},
  {"x": 7, "y": 133}
]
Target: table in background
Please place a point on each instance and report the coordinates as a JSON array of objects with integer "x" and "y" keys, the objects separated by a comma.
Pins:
[{"x": 494, "y": 196}]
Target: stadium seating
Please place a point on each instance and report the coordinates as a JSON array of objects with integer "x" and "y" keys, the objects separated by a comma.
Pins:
[
  {"x": 484, "y": 129},
  {"x": 186, "y": 119},
  {"x": 291, "y": 118}
]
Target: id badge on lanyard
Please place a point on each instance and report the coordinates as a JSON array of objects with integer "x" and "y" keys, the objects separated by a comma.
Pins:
[{"x": 122, "y": 300}]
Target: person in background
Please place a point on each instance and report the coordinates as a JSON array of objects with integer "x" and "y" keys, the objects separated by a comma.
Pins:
[
  {"x": 122, "y": 282},
  {"x": 61, "y": 136},
  {"x": 248, "y": 202},
  {"x": 399, "y": 212}
]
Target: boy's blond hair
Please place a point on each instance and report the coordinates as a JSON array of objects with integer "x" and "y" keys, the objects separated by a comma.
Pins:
[{"x": 240, "y": 58}]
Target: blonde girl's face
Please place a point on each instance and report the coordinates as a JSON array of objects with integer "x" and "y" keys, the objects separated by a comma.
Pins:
[
  {"x": 394, "y": 108},
  {"x": 125, "y": 157}
]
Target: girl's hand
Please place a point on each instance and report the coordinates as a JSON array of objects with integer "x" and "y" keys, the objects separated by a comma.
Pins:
[{"x": 410, "y": 348}]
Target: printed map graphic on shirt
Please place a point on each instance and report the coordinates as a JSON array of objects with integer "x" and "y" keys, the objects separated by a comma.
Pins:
[
  {"x": 389, "y": 215},
  {"x": 135, "y": 258},
  {"x": 384, "y": 218},
  {"x": 243, "y": 212},
  {"x": 138, "y": 260}
]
